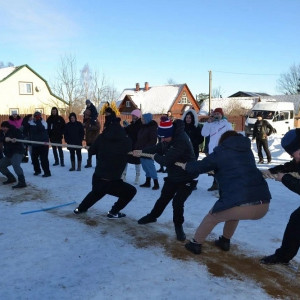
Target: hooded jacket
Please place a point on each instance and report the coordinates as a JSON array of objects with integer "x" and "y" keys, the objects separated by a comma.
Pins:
[
  {"x": 239, "y": 180},
  {"x": 56, "y": 126},
  {"x": 74, "y": 131},
  {"x": 111, "y": 148},
  {"x": 193, "y": 130}
]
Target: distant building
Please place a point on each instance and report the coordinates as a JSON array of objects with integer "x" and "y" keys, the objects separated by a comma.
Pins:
[
  {"x": 25, "y": 91},
  {"x": 176, "y": 98}
]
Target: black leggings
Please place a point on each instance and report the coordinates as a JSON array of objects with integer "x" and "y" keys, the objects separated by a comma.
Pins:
[{"x": 78, "y": 154}]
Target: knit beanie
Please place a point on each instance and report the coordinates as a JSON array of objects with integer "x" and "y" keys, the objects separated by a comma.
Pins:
[
  {"x": 219, "y": 110},
  {"x": 291, "y": 141},
  {"x": 165, "y": 128},
  {"x": 147, "y": 118},
  {"x": 136, "y": 113}
]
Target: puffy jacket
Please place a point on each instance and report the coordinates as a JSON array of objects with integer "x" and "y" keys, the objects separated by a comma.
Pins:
[
  {"x": 239, "y": 180},
  {"x": 12, "y": 148},
  {"x": 262, "y": 129}
]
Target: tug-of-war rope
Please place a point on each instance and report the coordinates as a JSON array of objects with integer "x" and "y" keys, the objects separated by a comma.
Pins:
[{"x": 266, "y": 173}]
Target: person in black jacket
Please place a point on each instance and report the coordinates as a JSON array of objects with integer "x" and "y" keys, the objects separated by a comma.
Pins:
[
  {"x": 56, "y": 126},
  {"x": 262, "y": 129},
  {"x": 14, "y": 152},
  {"x": 193, "y": 129},
  {"x": 111, "y": 148},
  {"x": 291, "y": 239},
  {"x": 38, "y": 132},
  {"x": 175, "y": 146},
  {"x": 74, "y": 135}
]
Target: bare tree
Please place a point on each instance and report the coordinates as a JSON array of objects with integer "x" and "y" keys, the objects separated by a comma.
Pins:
[
  {"x": 288, "y": 83},
  {"x": 217, "y": 92},
  {"x": 171, "y": 81},
  {"x": 3, "y": 65}
]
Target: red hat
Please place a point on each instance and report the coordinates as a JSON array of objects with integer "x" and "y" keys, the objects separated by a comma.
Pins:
[{"x": 219, "y": 110}]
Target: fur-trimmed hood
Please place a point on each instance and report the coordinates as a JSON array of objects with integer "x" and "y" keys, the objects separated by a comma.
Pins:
[{"x": 193, "y": 113}]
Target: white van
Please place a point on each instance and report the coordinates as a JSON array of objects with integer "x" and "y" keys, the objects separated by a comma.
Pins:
[{"x": 279, "y": 114}]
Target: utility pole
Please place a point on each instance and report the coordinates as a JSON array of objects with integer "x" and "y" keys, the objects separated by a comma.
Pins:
[{"x": 209, "y": 92}]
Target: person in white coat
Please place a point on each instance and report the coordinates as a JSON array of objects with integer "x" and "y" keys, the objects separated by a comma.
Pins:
[{"x": 215, "y": 126}]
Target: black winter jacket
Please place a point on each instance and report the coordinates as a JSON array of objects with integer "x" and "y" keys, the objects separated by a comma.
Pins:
[
  {"x": 74, "y": 133},
  {"x": 111, "y": 148},
  {"x": 179, "y": 149},
  {"x": 56, "y": 126},
  {"x": 12, "y": 148}
]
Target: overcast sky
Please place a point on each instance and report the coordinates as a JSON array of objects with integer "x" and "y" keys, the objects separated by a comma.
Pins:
[{"x": 136, "y": 41}]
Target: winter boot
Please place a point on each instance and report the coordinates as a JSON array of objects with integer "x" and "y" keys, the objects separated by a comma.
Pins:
[
  {"x": 147, "y": 182},
  {"x": 147, "y": 219},
  {"x": 273, "y": 259},
  {"x": 214, "y": 186},
  {"x": 62, "y": 162},
  {"x": 10, "y": 179},
  {"x": 56, "y": 163},
  {"x": 223, "y": 243},
  {"x": 180, "y": 233},
  {"x": 72, "y": 166},
  {"x": 21, "y": 183},
  {"x": 88, "y": 163},
  {"x": 156, "y": 185},
  {"x": 194, "y": 247},
  {"x": 79, "y": 165}
]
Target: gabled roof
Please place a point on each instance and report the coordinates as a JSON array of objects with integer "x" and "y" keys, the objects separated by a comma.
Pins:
[
  {"x": 5, "y": 73},
  {"x": 156, "y": 100},
  {"x": 248, "y": 94}
]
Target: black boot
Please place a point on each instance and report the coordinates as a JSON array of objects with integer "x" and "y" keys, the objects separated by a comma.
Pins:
[
  {"x": 21, "y": 183},
  {"x": 56, "y": 163},
  {"x": 273, "y": 259},
  {"x": 194, "y": 247},
  {"x": 79, "y": 165},
  {"x": 72, "y": 166},
  {"x": 180, "y": 233},
  {"x": 88, "y": 164},
  {"x": 147, "y": 182},
  {"x": 147, "y": 219},
  {"x": 223, "y": 243},
  {"x": 10, "y": 179},
  {"x": 62, "y": 163},
  {"x": 156, "y": 185}
]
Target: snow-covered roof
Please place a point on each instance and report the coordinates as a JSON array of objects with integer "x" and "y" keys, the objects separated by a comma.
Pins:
[
  {"x": 4, "y": 72},
  {"x": 156, "y": 100}
]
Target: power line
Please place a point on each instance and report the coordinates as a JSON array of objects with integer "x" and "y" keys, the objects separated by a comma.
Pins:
[{"x": 253, "y": 74}]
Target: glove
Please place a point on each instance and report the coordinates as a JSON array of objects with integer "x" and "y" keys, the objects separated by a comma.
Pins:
[{"x": 268, "y": 174}]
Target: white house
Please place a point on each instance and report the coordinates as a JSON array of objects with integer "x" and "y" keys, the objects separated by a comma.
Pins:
[{"x": 23, "y": 90}]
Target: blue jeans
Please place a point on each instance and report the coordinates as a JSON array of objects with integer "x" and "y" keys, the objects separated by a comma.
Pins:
[{"x": 149, "y": 167}]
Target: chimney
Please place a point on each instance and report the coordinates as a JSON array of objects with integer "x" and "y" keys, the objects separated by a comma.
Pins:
[
  {"x": 146, "y": 86},
  {"x": 137, "y": 87}
]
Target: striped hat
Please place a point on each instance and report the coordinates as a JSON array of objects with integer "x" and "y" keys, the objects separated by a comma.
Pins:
[{"x": 165, "y": 128}]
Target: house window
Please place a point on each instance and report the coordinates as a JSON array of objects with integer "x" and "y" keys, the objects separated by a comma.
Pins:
[
  {"x": 41, "y": 110},
  {"x": 128, "y": 104},
  {"x": 184, "y": 99},
  {"x": 25, "y": 88},
  {"x": 13, "y": 111}
]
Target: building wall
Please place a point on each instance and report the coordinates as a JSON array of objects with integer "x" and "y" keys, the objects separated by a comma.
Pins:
[{"x": 11, "y": 99}]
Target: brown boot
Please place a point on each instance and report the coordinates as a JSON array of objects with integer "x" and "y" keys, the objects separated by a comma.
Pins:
[{"x": 79, "y": 165}]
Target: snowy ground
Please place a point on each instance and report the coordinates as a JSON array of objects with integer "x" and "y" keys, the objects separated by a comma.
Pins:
[{"x": 56, "y": 255}]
